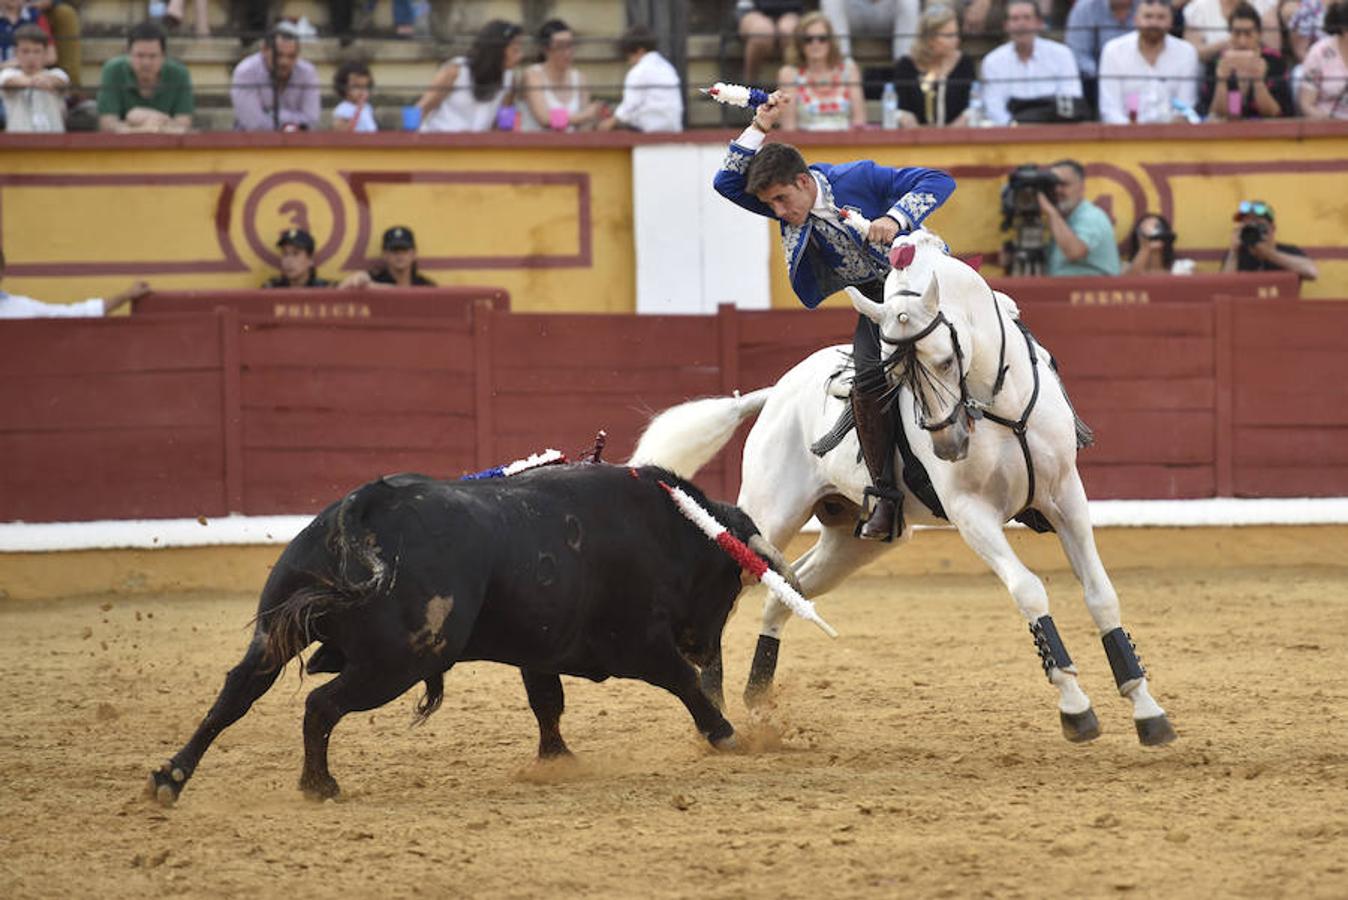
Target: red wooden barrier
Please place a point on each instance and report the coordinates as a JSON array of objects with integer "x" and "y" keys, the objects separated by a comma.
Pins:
[
  {"x": 112, "y": 418},
  {"x": 187, "y": 414},
  {"x": 323, "y": 304},
  {"x": 1143, "y": 290}
]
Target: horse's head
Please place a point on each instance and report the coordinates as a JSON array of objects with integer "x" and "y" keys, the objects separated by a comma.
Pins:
[{"x": 919, "y": 344}]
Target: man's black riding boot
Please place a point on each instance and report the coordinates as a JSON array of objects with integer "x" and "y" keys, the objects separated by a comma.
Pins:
[{"x": 875, "y": 432}]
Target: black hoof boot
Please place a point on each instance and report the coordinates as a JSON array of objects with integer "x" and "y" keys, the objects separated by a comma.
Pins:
[
  {"x": 1080, "y": 727},
  {"x": 762, "y": 671},
  {"x": 1155, "y": 732},
  {"x": 165, "y": 784}
]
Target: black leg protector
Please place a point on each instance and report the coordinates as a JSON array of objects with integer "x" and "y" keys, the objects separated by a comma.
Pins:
[
  {"x": 1049, "y": 643},
  {"x": 1123, "y": 660},
  {"x": 763, "y": 670}
]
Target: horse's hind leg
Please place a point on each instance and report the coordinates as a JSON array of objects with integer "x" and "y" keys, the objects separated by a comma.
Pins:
[
  {"x": 1071, "y": 518},
  {"x": 982, "y": 531},
  {"x": 247, "y": 681}
]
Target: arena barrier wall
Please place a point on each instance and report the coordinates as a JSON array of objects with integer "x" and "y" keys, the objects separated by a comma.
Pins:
[
  {"x": 204, "y": 414},
  {"x": 564, "y": 222},
  {"x": 323, "y": 304}
]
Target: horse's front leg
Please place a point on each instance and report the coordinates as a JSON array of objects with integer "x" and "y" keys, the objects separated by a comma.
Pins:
[
  {"x": 981, "y": 528},
  {"x": 1071, "y": 518}
]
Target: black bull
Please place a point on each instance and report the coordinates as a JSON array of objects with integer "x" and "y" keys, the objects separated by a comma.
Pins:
[{"x": 586, "y": 570}]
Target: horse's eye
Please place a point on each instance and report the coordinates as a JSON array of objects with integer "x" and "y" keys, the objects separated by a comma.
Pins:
[{"x": 947, "y": 364}]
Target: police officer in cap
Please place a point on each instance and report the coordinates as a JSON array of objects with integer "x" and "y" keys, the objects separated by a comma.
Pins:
[
  {"x": 297, "y": 262},
  {"x": 397, "y": 266}
]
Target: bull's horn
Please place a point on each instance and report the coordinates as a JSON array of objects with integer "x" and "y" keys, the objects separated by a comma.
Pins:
[
  {"x": 866, "y": 306},
  {"x": 781, "y": 579}
]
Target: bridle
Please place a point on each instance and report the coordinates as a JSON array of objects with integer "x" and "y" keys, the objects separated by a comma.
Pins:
[{"x": 913, "y": 372}]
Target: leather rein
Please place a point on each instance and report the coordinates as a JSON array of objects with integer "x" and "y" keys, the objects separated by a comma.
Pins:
[{"x": 905, "y": 353}]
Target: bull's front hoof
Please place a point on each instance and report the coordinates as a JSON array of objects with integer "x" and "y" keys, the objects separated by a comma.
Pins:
[
  {"x": 319, "y": 787},
  {"x": 165, "y": 784},
  {"x": 1155, "y": 732},
  {"x": 728, "y": 744},
  {"x": 1080, "y": 727}
]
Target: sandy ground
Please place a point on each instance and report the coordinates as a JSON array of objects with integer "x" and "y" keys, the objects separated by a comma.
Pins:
[{"x": 918, "y": 755}]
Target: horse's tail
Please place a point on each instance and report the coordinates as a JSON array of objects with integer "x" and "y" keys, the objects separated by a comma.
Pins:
[{"x": 684, "y": 438}]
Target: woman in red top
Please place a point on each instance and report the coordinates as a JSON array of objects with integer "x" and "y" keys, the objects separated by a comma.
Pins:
[{"x": 825, "y": 90}]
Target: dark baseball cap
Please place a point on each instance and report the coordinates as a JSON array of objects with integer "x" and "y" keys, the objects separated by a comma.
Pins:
[
  {"x": 299, "y": 238},
  {"x": 399, "y": 238}
]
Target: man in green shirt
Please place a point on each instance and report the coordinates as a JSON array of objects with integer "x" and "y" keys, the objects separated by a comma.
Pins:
[
  {"x": 145, "y": 91},
  {"x": 1083, "y": 236}
]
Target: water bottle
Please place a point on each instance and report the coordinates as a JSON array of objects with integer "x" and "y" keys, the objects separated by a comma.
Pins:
[
  {"x": 421, "y": 11},
  {"x": 889, "y": 107},
  {"x": 1188, "y": 112},
  {"x": 157, "y": 8},
  {"x": 974, "y": 114}
]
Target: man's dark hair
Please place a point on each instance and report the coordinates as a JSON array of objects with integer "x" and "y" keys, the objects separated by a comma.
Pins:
[
  {"x": 1031, "y": 3},
  {"x": 342, "y": 77},
  {"x": 486, "y": 58},
  {"x": 1336, "y": 17},
  {"x": 774, "y": 164},
  {"x": 32, "y": 34},
  {"x": 1073, "y": 165},
  {"x": 638, "y": 37},
  {"x": 1245, "y": 12},
  {"x": 147, "y": 31}
]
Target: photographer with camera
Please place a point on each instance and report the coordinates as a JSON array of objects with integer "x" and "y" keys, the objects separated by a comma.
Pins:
[
  {"x": 1150, "y": 249},
  {"x": 1254, "y": 248},
  {"x": 1082, "y": 236}
]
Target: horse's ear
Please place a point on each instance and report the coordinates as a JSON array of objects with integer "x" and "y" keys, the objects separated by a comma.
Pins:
[{"x": 931, "y": 297}]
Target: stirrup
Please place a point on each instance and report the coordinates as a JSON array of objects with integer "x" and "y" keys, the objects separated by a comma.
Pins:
[{"x": 895, "y": 524}]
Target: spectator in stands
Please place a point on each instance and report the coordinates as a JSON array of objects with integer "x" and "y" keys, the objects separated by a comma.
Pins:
[
  {"x": 1143, "y": 73},
  {"x": 471, "y": 93},
  {"x": 1023, "y": 78},
  {"x": 1261, "y": 87},
  {"x": 201, "y": 21},
  {"x": 895, "y": 18},
  {"x": 1090, "y": 25},
  {"x": 143, "y": 90},
  {"x": 1207, "y": 23},
  {"x": 1150, "y": 249},
  {"x": 1305, "y": 25},
  {"x": 398, "y": 266},
  {"x": 1082, "y": 234},
  {"x": 1324, "y": 79},
  {"x": 825, "y": 91},
  {"x": 986, "y": 19},
  {"x": 652, "y": 95},
  {"x": 297, "y": 262},
  {"x": 353, "y": 83},
  {"x": 14, "y": 14},
  {"x": 1254, "y": 247},
  {"x": 556, "y": 96},
  {"x": 934, "y": 82},
  {"x": 17, "y": 306},
  {"x": 765, "y": 25},
  {"x": 273, "y": 89},
  {"x": 33, "y": 94},
  {"x": 65, "y": 35}
]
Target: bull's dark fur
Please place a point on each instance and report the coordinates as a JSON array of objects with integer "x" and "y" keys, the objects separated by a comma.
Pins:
[{"x": 585, "y": 570}]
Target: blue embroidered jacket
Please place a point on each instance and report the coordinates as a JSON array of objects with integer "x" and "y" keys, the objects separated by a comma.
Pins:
[{"x": 823, "y": 259}]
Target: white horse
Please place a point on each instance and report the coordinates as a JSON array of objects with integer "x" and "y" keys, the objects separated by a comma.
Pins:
[{"x": 1001, "y": 438}]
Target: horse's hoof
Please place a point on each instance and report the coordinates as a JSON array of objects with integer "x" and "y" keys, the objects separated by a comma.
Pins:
[
  {"x": 1080, "y": 727},
  {"x": 162, "y": 787},
  {"x": 728, "y": 744},
  {"x": 320, "y": 788},
  {"x": 1155, "y": 732}
]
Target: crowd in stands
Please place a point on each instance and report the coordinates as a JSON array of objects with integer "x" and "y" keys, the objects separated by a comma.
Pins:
[{"x": 1119, "y": 61}]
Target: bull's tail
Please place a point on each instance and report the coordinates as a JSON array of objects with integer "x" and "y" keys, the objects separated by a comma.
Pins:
[
  {"x": 684, "y": 438},
  {"x": 288, "y": 627}
]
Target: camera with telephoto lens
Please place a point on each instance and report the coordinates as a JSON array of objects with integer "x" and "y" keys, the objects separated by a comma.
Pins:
[
  {"x": 1027, "y": 247},
  {"x": 1252, "y": 233}
]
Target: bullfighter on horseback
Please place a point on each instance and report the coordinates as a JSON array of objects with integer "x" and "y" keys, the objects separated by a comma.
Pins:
[{"x": 824, "y": 255}]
